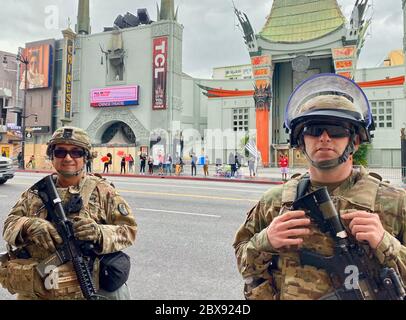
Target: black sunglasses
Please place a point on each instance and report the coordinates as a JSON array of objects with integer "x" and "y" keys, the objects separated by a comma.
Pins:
[
  {"x": 333, "y": 131},
  {"x": 74, "y": 154}
]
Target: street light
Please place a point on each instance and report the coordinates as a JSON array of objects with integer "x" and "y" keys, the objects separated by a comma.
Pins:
[{"x": 24, "y": 60}]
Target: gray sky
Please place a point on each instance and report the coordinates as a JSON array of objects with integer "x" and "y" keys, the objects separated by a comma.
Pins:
[{"x": 210, "y": 39}]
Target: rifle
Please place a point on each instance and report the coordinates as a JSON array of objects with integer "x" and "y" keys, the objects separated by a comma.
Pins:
[
  {"x": 379, "y": 283},
  {"x": 71, "y": 249}
]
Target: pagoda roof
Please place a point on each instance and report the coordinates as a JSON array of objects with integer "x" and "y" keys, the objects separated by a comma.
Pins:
[{"x": 293, "y": 21}]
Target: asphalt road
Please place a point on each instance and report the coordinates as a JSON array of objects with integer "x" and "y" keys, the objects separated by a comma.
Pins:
[{"x": 186, "y": 228}]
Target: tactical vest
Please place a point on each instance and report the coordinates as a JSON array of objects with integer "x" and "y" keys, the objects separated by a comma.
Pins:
[
  {"x": 20, "y": 276},
  {"x": 291, "y": 280}
]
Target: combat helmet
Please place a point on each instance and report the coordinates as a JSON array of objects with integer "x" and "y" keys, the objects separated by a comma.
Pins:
[
  {"x": 70, "y": 135},
  {"x": 329, "y": 98}
]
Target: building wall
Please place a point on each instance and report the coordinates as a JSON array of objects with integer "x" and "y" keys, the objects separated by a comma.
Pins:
[
  {"x": 385, "y": 149},
  {"x": 90, "y": 73}
]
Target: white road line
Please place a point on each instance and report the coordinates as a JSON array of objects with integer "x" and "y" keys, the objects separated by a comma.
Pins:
[
  {"x": 2, "y": 196},
  {"x": 194, "y": 187},
  {"x": 180, "y": 212}
]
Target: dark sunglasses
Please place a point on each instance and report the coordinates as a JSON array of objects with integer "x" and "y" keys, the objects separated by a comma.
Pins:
[
  {"x": 333, "y": 131},
  {"x": 74, "y": 154}
]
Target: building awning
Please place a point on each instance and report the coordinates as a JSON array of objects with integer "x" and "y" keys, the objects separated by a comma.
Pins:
[{"x": 221, "y": 93}]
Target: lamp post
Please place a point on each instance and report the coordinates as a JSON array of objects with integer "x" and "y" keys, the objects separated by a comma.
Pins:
[{"x": 25, "y": 61}]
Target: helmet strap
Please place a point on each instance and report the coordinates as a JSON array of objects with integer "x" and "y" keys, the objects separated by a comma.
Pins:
[
  {"x": 333, "y": 163},
  {"x": 66, "y": 174}
]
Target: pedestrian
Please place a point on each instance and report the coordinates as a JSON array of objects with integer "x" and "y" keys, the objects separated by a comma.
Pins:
[
  {"x": 107, "y": 163},
  {"x": 193, "y": 164},
  {"x": 122, "y": 165},
  {"x": 161, "y": 164},
  {"x": 206, "y": 166},
  {"x": 89, "y": 163},
  {"x": 150, "y": 166},
  {"x": 98, "y": 215},
  {"x": 130, "y": 163},
  {"x": 20, "y": 160},
  {"x": 283, "y": 165},
  {"x": 143, "y": 161},
  {"x": 251, "y": 167},
  {"x": 231, "y": 162},
  {"x": 31, "y": 163},
  {"x": 168, "y": 164},
  {"x": 328, "y": 118}
]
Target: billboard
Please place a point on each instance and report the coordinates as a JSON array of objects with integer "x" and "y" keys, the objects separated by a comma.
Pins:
[
  {"x": 114, "y": 96},
  {"x": 68, "y": 78},
  {"x": 39, "y": 67},
  {"x": 159, "y": 75}
]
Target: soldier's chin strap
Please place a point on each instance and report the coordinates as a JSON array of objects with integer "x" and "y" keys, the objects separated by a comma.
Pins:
[
  {"x": 334, "y": 163},
  {"x": 67, "y": 174}
]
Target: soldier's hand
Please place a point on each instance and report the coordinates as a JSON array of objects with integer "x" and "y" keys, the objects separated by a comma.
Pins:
[
  {"x": 366, "y": 226},
  {"x": 86, "y": 229},
  {"x": 285, "y": 229},
  {"x": 42, "y": 233}
]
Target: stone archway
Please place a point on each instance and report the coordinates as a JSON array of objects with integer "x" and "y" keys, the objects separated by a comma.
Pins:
[{"x": 106, "y": 118}]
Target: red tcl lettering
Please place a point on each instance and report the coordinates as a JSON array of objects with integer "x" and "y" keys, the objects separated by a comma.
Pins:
[{"x": 160, "y": 69}]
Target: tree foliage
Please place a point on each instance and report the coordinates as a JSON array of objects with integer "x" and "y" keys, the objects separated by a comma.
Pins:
[{"x": 361, "y": 156}]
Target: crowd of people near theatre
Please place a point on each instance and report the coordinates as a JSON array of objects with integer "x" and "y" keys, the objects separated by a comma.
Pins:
[{"x": 164, "y": 164}]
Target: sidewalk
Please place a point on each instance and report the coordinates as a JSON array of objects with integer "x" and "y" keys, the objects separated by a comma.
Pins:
[{"x": 265, "y": 175}]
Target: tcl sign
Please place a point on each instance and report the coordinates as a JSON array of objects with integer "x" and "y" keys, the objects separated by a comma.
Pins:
[{"x": 160, "y": 70}]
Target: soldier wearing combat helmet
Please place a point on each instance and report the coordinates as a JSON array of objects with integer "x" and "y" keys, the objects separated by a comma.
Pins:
[
  {"x": 100, "y": 216},
  {"x": 327, "y": 118}
]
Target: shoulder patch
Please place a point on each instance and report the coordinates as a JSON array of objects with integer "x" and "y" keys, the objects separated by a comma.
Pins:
[{"x": 123, "y": 210}]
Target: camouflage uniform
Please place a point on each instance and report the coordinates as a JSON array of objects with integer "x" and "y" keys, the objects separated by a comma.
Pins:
[
  {"x": 277, "y": 274},
  {"x": 101, "y": 203},
  {"x": 105, "y": 206}
]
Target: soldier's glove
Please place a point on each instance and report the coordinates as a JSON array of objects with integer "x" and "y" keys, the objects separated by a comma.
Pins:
[
  {"x": 42, "y": 233},
  {"x": 86, "y": 229}
]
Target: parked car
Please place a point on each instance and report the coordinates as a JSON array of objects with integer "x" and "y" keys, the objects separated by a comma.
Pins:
[{"x": 6, "y": 169}]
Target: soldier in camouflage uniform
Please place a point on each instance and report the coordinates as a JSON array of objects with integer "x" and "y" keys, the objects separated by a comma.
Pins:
[
  {"x": 328, "y": 128},
  {"x": 105, "y": 219}
]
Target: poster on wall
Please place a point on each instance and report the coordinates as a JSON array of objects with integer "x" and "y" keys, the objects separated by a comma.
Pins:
[
  {"x": 38, "y": 68},
  {"x": 160, "y": 70}
]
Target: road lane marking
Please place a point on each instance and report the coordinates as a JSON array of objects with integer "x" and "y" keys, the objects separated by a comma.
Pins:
[
  {"x": 194, "y": 187},
  {"x": 178, "y": 195},
  {"x": 180, "y": 212},
  {"x": 3, "y": 196},
  {"x": 186, "y": 195}
]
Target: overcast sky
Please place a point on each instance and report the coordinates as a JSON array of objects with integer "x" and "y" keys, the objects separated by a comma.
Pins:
[{"x": 210, "y": 39}]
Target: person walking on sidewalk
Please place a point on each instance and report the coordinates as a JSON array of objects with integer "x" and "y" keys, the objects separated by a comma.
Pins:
[
  {"x": 283, "y": 165},
  {"x": 206, "y": 166},
  {"x": 168, "y": 165},
  {"x": 122, "y": 165},
  {"x": 251, "y": 167},
  {"x": 193, "y": 164},
  {"x": 143, "y": 162},
  {"x": 130, "y": 163},
  {"x": 150, "y": 166}
]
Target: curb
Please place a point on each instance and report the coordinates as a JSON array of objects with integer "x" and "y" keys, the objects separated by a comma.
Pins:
[{"x": 245, "y": 180}]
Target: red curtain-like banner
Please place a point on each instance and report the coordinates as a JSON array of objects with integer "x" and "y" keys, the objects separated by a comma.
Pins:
[{"x": 160, "y": 70}]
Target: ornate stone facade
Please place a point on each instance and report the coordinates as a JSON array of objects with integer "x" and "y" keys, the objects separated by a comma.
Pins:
[{"x": 107, "y": 117}]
